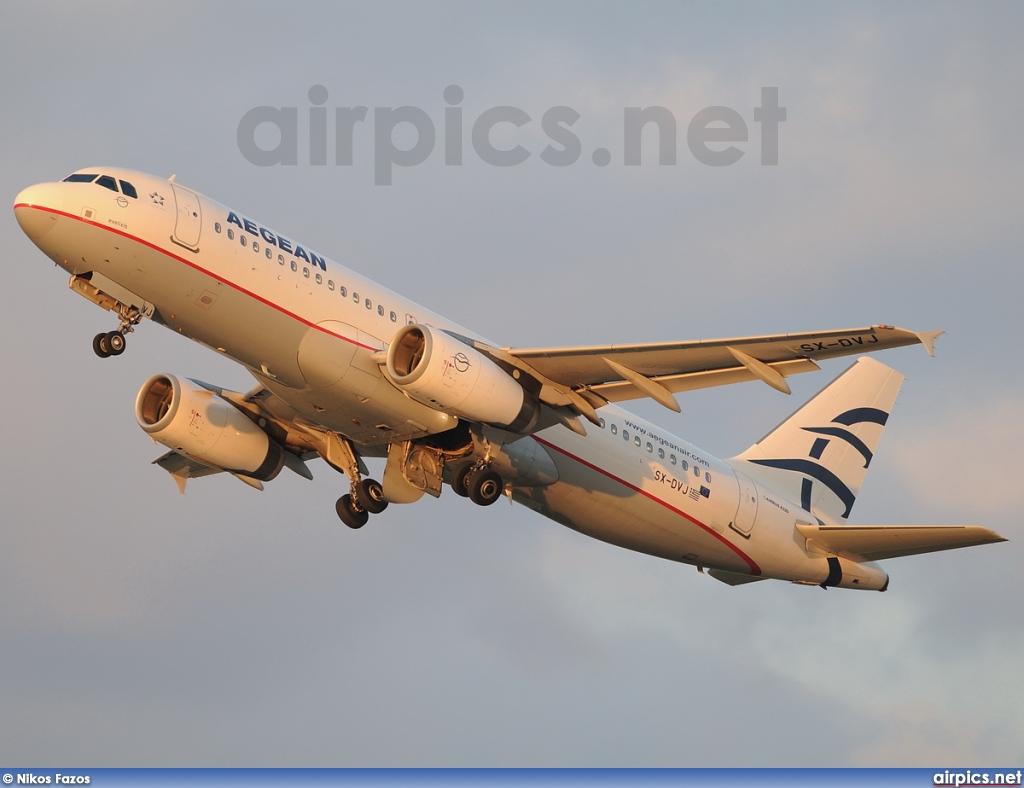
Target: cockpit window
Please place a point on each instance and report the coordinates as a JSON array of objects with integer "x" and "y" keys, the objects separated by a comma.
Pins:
[{"x": 106, "y": 181}]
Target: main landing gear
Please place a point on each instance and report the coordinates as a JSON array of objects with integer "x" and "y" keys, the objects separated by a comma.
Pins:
[
  {"x": 366, "y": 496},
  {"x": 113, "y": 342},
  {"x": 354, "y": 509},
  {"x": 478, "y": 482},
  {"x": 110, "y": 344}
]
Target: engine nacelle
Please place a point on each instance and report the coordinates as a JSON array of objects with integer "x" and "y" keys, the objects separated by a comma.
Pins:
[
  {"x": 436, "y": 369},
  {"x": 199, "y": 424}
]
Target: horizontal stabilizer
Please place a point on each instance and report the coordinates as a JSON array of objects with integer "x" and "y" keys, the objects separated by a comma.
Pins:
[{"x": 877, "y": 542}]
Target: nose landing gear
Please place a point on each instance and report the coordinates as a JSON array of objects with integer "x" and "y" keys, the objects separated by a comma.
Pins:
[
  {"x": 110, "y": 344},
  {"x": 113, "y": 342}
]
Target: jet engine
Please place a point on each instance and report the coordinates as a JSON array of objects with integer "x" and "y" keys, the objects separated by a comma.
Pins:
[
  {"x": 200, "y": 424},
  {"x": 436, "y": 369}
]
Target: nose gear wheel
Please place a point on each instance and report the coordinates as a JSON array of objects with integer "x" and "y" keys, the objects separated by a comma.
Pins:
[{"x": 114, "y": 342}]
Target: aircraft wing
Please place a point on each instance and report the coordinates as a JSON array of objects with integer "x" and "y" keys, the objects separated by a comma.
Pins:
[
  {"x": 877, "y": 542},
  {"x": 584, "y": 378}
]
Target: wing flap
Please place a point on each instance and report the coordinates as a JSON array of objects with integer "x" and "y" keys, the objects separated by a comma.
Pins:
[{"x": 878, "y": 542}]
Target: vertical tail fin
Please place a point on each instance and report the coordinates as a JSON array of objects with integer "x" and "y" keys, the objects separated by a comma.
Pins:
[{"x": 820, "y": 455}]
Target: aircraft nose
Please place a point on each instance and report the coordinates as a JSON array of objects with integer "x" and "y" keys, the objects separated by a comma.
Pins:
[{"x": 35, "y": 208}]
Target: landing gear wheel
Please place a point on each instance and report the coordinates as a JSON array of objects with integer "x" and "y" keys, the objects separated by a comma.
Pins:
[
  {"x": 352, "y": 515},
  {"x": 370, "y": 495},
  {"x": 100, "y": 346},
  {"x": 116, "y": 343},
  {"x": 485, "y": 487},
  {"x": 460, "y": 481}
]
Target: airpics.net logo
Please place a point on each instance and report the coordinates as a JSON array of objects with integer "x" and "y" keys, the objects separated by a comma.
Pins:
[
  {"x": 956, "y": 779},
  {"x": 406, "y": 136}
]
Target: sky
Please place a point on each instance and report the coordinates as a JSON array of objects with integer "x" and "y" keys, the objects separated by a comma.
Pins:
[{"x": 228, "y": 627}]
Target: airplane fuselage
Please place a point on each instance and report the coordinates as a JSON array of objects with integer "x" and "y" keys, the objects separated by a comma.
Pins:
[{"x": 313, "y": 332}]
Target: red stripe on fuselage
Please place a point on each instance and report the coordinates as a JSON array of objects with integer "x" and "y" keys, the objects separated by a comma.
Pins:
[
  {"x": 754, "y": 568},
  {"x": 196, "y": 267}
]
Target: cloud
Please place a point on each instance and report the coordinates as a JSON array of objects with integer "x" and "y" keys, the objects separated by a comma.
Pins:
[{"x": 969, "y": 464}]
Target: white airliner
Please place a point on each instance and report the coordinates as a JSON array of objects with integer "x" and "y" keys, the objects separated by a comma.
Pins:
[{"x": 347, "y": 369}]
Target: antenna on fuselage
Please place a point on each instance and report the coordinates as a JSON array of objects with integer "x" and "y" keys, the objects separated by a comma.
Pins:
[{"x": 171, "y": 179}]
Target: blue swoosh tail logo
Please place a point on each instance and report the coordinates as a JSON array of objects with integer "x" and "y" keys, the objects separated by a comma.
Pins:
[{"x": 816, "y": 470}]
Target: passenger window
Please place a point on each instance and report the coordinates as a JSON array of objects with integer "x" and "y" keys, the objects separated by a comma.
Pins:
[
  {"x": 280, "y": 257},
  {"x": 380, "y": 311},
  {"x": 615, "y": 429},
  {"x": 602, "y": 422},
  {"x": 686, "y": 465},
  {"x": 216, "y": 227},
  {"x": 672, "y": 459},
  {"x": 368, "y": 304},
  {"x": 305, "y": 272},
  {"x": 696, "y": 471},
  {"x": 330, "y": 284},
  {"x": 129, "y": 191},
  {"x": 355, "y": 297},
  {"x": 636, "y": 440},
  {"x": 343, "y": 291},
  {"x": 394, "y": 317},
  {"x": 231, "y": 234},
  {"x": 107, "y": 183},
  {"x": 255, "y": 246},
  {"x": 707, "y": 478},
  {"x": 319, "y": 279},
  {"x": 625, "y": 435},
  {"x": 650, "y": 447},
  {"x": 243, "y": 240},
  {"x": 270, "y": 254},
  {"x": 295, "y": 266},
  {"x": 661, "y": 454}
]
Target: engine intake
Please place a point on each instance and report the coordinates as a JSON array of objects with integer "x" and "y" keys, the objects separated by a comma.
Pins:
[
  {"x": 436, "y": 369},
  {"x": 200, "y": 424}
]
